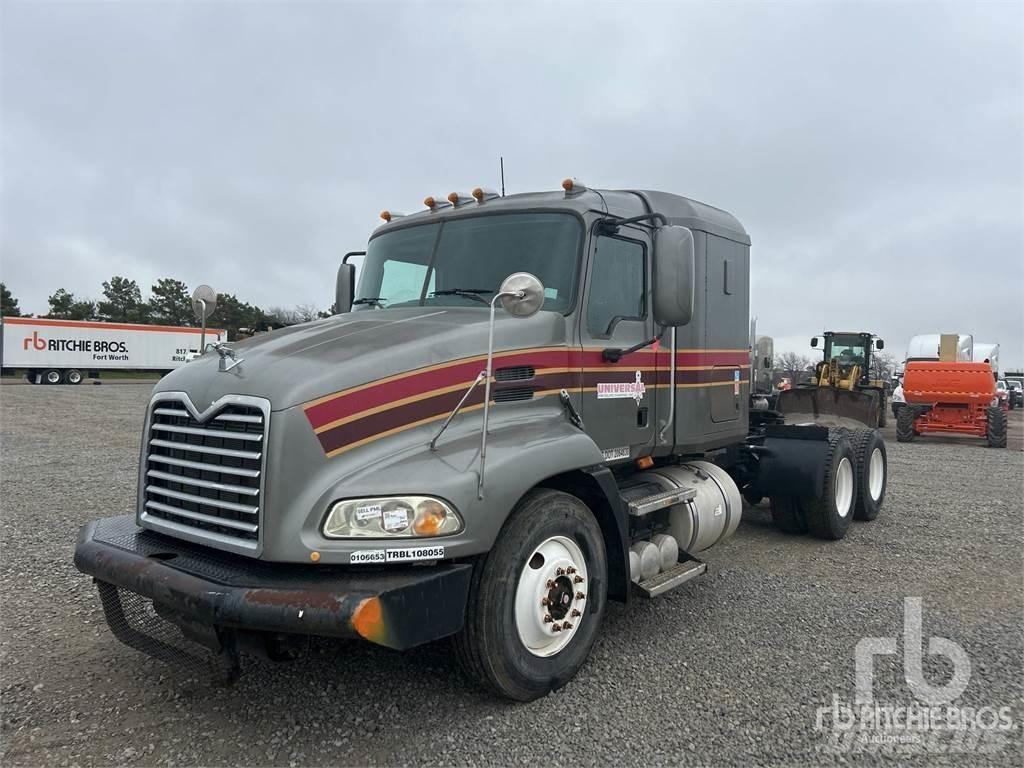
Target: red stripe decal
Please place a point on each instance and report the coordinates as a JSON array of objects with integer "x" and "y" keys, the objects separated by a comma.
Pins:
[{"x": 428, "y": 385}]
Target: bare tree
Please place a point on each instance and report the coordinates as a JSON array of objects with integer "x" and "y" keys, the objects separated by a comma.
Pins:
[
  {"x": 883, "y": 365},
  {"x": 306, "y": 312},
  {"x": 301, "y": 313},
  {"x": 792, "y": 365}
]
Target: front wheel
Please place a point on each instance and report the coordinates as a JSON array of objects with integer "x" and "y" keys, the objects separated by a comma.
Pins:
[
  {"x": 995, "y": 431},
  {"x": 537, "y": 599},
  {"x": 905, "y": 431}
]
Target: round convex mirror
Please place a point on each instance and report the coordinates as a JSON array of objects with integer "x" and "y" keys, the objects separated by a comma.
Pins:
[{"x": 523, "y": 294}]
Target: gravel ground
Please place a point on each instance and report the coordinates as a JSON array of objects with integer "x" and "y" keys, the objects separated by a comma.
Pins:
[{"x": 729, "y": 670}]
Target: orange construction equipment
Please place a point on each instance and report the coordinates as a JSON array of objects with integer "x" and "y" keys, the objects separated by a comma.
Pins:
[{"x": 950, "y": 397}]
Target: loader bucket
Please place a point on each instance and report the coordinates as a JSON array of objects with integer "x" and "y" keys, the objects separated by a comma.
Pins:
[{"x": 829, "y": 407}]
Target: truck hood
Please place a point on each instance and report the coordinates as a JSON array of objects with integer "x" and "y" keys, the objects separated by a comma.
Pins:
[{"x": 304, "y": 362}]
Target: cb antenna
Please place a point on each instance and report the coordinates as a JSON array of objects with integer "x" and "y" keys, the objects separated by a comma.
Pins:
[{"x": 501, "y": 162}]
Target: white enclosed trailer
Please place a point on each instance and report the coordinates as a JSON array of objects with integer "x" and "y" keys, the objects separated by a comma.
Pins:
[{"x": 64, "y": 351}]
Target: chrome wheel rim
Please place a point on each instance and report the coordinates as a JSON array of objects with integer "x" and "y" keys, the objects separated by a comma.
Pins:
[
  {"x": 876, "y": 474},
  {"x": 551, "y": 596},
  {"x": 52, "y": 377},
  {"x": 74, "y": 377},
  {"x": 844, "y": 487}
]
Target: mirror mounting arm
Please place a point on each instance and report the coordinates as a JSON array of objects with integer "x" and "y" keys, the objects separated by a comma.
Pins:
[
  {"x": 488, "y": 373},
  {"x": 614, "y": 354},
  {"x": 610, "y": 226}
]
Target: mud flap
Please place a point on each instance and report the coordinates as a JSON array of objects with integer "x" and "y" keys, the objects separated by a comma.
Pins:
[
  {"x": 829, "y": 407},
  {"x": 791, "y": 462}
]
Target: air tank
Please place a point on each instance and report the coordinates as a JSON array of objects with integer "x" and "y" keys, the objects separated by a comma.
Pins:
[{"x": 713, "y": 513}]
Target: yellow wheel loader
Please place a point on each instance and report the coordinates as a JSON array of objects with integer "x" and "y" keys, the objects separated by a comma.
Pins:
[{"x": 841, "y": 392}]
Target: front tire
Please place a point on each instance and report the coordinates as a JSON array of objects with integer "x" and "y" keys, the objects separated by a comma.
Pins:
[
  {"x": 995, "y": 431},
  {"x": 871, "y": 467},
  {"x": 905, "y": 432},
  {"x": 523, "y": 588}
]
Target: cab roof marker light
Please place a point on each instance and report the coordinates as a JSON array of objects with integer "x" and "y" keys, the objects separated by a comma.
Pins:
[
  {"x": 483, "y": 193},
  {"x": 389, "y": 215},
  {"x": 456, "y": 199},
  {"x": 433, "y": 203},
  {"x": 573, "y": 187}
]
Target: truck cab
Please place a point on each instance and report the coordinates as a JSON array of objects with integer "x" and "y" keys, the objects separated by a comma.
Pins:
[{"x": 524, "y": 407}]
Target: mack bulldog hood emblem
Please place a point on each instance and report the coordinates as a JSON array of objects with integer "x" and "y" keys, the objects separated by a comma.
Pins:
[{"x": 227, "y": 357}]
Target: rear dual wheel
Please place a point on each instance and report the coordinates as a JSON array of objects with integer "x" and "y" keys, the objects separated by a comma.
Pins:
[
  {"x": 58, "y": 376},
  {"x": 828, "y": 516},
  {"x": 871, "y": 469},
  {"x": 536, "y": 599}
]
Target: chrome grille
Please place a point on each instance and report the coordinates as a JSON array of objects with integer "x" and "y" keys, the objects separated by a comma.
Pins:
[{"x": 202, "y": 474}]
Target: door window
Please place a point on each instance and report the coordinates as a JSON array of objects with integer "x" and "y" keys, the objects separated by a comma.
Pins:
[{"x": 617, "y": 285}]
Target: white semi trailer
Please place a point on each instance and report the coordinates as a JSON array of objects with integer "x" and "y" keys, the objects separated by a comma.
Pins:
[
  {"x": 988, "y": 353},
  {"x": 65, "y": 351}
]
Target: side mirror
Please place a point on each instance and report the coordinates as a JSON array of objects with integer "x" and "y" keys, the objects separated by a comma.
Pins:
[
  {"x": 879, "y": 344},
  {"x": 522, "y": 294},
  {"x": 814, "y": 341},
  {"x": 344, "y": 292},
  {"x": 673, "y": 276}
]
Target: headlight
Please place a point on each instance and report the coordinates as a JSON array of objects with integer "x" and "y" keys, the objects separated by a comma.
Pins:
[{"x": 406, "y": 517}]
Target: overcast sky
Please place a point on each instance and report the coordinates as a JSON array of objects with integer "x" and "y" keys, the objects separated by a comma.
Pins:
[{"x": 873, "y": 151}]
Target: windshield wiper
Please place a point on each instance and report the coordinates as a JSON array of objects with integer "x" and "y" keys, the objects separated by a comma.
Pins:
[
  {"x": 469, "y": 293},
  {"x": 370, "y": 300}
]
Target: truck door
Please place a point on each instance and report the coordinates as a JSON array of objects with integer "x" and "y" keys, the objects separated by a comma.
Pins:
[{"x": 618, "y": 398}]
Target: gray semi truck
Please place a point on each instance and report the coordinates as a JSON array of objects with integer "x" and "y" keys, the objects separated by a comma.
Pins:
[{"x": 527, "y": 406}]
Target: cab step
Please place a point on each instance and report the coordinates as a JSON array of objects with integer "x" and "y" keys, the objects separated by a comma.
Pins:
[
  {"x": 675, "y": 576},
  {"x": 647, "y": 504}
]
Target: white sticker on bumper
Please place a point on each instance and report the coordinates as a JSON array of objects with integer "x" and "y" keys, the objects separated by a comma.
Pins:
[
  {"x": 414, "y": 553},
  {"x": 403, "y": 555},
  {"x": 368, "y": 556}
]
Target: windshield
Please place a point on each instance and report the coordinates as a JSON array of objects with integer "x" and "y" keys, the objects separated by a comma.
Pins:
[
  {"x": 419, "y": 266},
  {"x": 849, "y": 350}
]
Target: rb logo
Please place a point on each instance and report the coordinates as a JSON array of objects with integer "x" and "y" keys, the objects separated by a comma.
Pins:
[{"x": 35, "y": 341}]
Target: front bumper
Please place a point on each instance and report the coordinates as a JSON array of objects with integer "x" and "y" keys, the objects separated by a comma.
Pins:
[{"x": 220, "y": 593}]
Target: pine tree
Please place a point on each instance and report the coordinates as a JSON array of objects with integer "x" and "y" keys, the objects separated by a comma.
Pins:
[{"x": 8, "y": 304}]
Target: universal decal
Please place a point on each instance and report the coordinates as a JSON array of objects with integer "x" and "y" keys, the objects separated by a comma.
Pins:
[{"x": 631, "y": 389}]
